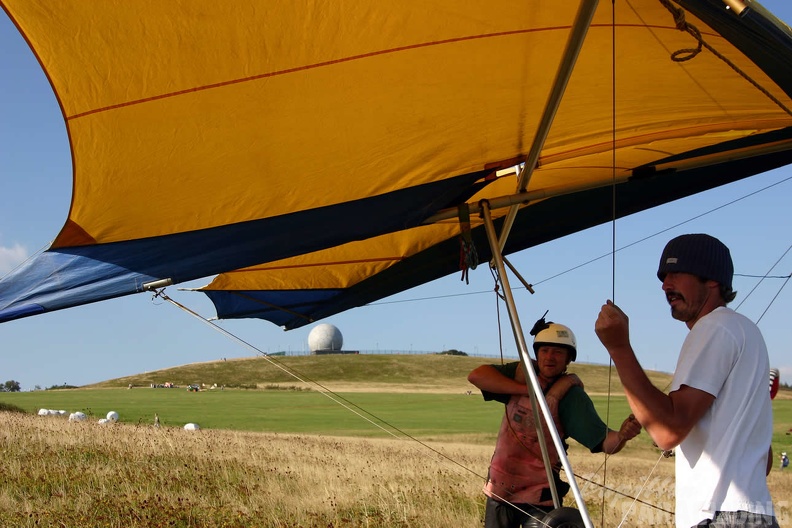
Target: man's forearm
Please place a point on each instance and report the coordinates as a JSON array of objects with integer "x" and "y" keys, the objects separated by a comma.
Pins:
[
  {"x": 489, "y": 379},
  {"x": 613, "y": 443},
  {"x": 651, "y": 407}
]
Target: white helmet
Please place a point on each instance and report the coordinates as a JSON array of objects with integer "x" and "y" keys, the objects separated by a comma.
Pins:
[{"x": 555, "y": 334}]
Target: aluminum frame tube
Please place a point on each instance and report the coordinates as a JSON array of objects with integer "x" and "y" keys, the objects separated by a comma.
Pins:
[{"x": 580, "y": 27}]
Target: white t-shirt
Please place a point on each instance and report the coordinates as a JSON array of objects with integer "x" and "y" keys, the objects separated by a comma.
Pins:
[{"x": 721, "y": 464}]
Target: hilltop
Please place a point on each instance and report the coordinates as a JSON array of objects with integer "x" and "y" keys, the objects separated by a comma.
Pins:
[{"x": 353, "y": 373}]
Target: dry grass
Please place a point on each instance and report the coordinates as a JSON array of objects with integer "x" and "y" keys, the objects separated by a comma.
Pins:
[
  {"x": 63, "y": 474},
  {"x": 82, "y": 474}
]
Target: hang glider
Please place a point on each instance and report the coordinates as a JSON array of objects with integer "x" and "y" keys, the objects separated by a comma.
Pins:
[{"x": 330, "y": 147}]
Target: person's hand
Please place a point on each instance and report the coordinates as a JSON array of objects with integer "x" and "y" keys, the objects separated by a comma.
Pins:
[
  {"x": 612, "y": 327},
  {"x": 629, "y": 428},
  {"x": 564, "y": 383}
]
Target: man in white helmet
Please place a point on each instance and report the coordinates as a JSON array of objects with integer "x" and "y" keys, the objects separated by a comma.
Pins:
[
  {"x": 517, "y": 488},
  {"x": 717, "y": 415}
]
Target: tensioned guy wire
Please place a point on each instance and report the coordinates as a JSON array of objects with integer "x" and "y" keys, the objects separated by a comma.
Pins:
[
  {"x": 376, "y": 421},
  {"x": 613, "y": 237},
  {"x": 609, "y": 254},
  {"x": 336, "y": 398}
]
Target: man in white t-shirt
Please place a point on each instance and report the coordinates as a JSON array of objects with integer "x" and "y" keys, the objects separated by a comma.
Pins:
[{"x": 717, "y": 414}]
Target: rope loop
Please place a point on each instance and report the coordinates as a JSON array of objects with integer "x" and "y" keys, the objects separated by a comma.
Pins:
[{"x": 684, "y": 54}]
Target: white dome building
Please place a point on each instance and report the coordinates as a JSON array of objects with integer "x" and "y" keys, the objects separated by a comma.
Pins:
[{"x": 325, "y": 337}]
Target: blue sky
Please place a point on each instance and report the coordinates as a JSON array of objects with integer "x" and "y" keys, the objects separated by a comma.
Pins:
[{"x": 136, "y": 333}]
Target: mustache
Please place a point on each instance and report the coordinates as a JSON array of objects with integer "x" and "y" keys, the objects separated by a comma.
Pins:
[{"x": 673, "y": 294}]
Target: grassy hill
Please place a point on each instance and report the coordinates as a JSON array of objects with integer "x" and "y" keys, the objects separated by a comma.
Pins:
[
  {"x": 426, "y": 395},
  {"x": 354, "y": 373}
]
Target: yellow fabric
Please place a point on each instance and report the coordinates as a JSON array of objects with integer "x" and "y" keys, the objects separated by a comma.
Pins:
[
  {"x": 338, "y": 267},
  {"x": 196, "y": 114}
]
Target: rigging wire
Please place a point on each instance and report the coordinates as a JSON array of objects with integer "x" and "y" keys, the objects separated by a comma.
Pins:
[
  {"x": 595, "y": 259},
  {"x": 371, "y": 418},
  {"x": 617, "y": 492},
  {"x": 643, "y": 485},
  {"x": 613, "y": 240},
  {"x": 499, "y": 297},
  {"x": 343, "y": 402},
  {"x": 335, "y": 397},
  {"x": 374, "y": 420},
  {"x": 36, "y": 253},
  {"x": 773, "y": 300},
  {"x": 762, "y": 278},
  {"x": 685, "y": 26},
  {"x": 589, "y": 480}
]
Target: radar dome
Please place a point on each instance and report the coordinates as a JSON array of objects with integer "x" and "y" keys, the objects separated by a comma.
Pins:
[{"x": 325, "y": 337}]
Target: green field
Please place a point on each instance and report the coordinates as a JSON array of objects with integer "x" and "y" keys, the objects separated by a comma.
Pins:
[
  {"x": 425, "y": 416},
  {"x": 347, "y": 414},
  {"x": 396, "y": 407}
]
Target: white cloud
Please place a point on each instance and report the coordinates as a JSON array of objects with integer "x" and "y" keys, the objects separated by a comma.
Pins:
[{"x": 11, "y": 257}]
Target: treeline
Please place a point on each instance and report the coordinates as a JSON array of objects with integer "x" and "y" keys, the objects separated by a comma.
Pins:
[
  {"x": 10, "y": 386},
  {"x": 15, "y": 386}
]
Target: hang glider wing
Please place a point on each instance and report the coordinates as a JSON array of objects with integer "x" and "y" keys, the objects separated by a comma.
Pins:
[
  {"x": 658, "y": 150},
  {"x": 314, "y": 140}
]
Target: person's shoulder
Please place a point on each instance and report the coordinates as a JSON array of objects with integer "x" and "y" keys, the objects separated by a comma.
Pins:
[
  {"x": 575, "y": 395},
  {"x": 718, "y": 314},
  {"x": 510, "y": 364},
  {"x": 726, "y": 314},
  {"x": 722, "y": 317},
  {"x": 576, "y": 391},
  {"x": 725, "y": 319},
  {"x": 512, "y": 367}
]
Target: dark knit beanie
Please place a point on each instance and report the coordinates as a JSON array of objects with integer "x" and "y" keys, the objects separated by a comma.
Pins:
[{"x": 701, "y": 255}]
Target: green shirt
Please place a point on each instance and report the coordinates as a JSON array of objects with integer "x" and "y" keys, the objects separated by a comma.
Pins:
[{"x": 576, "y": 412}]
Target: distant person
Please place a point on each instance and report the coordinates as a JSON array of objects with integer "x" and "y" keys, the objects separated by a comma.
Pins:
[
  {"x": 517, "y": 487},
  {"x": 784, "y": 460},
  {"x": 717, "y": 415},
  {"x": 156, "y": 420}
]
